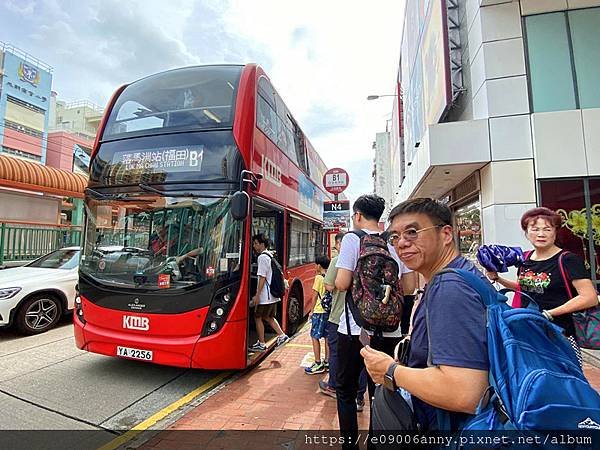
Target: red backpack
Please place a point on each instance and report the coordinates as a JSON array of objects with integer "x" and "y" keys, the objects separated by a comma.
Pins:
[{"x": 376, "y": 296}]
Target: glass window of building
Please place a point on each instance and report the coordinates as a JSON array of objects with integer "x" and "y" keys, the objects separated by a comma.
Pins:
[
  {"x": 585, "y": 34},
  {"x": 550, "y": 72},
  {"x": 564, "y": 59}
]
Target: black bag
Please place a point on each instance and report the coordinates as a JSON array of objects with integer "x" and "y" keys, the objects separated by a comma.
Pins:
[
  {"x": 391, "y": 412},
  {"x": 277, "y": 286},
  {"x": 326, "y": 301}
]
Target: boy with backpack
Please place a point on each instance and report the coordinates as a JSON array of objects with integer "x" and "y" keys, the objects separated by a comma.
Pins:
[
  {"x": 319, "y": 318},
  {"x": 368, "y": 269},
  {"x": 268, "y": 292}
]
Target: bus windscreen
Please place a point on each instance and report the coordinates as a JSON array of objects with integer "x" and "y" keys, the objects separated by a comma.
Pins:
[
  {"x": 154, "y": 242},
  {"x": 191, "y": 98}
]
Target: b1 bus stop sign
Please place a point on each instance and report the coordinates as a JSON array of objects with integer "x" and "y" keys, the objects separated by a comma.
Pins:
[{"x": 335, "y": 181}]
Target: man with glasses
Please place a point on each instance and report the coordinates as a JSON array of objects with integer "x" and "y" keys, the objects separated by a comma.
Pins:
[
  {"x": 367, "y": 212},
  {"x": 448, "y": 325}
]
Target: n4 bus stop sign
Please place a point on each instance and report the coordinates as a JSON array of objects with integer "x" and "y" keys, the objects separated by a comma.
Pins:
[{"x": 335, "y": 181}]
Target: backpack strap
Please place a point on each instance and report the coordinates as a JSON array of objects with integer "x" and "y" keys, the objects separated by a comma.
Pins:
[
  {"x": 563, "y": 272},
  {"x": 484, "y": 291},
  {"x": 359, "y": 233}
]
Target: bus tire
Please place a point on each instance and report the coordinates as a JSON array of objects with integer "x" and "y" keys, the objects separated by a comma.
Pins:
[
  {"x": 294, "y": 313},
  {"x": 38, "y": 314}
]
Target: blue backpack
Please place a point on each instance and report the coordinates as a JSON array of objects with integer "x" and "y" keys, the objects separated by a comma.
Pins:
[{"x": 536, "y": 382}]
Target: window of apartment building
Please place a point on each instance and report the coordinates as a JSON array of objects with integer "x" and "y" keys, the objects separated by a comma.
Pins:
[
  {"x": 564, "y": 59},
  {"x": 578, "y": 202},
  {"x": 19, "y": 153}
]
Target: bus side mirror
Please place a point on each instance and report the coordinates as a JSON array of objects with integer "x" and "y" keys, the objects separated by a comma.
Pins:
[{"x": 239, "y": 205}]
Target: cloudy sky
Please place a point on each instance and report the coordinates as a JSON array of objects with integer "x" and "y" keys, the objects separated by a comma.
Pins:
[{"x": 324, "y": 57}]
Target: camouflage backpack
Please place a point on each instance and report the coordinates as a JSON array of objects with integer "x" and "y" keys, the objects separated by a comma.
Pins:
[{"x": 376, "y": 296}]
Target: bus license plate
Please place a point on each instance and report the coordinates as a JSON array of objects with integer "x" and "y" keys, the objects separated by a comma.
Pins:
[{"x": 126, "y": 352}]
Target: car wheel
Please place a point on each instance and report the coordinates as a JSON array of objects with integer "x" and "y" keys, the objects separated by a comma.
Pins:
[
  {"x": 38, "y": 313},
  {"x": 294, "y": 314}
]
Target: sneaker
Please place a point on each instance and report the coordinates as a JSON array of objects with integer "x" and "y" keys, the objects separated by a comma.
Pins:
[
  {"x": 326, "y": 364},
  {"x": 324, "y": 388},
  {"x": 317, "y": 367},
  {"x": 360, "y": 404},
  {"x": 258, "y": 347},
  {"x": 281, "y": 340}
]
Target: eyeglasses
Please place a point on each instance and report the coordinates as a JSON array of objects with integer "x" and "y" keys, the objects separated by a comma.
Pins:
[{"x": 409, "y": 235}]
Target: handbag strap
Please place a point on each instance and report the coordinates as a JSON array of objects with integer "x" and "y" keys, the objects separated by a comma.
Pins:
[{"x": 563, "y": 272}]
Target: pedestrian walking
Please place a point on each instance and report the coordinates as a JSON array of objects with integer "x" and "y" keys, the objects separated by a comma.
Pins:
[{"x": 265, "y": 305}]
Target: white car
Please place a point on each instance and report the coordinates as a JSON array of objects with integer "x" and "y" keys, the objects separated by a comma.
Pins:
[{"x": 35, "y": 296}]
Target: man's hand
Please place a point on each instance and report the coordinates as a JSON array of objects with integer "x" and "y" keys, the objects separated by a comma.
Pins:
[
  {"x": 254, "y": 301},
  {"x": 377, "y": 363}
]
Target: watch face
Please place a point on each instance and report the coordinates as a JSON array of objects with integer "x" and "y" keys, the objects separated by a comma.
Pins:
[
  {"x": 388, "y": 378},
  {"x": 388, "y": 382}
]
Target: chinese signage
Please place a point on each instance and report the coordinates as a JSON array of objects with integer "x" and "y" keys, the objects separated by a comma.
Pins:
[
  {"x": 26, "y": 82},
  {"x": 336, "y": 215},
  {"x": 177, "y": 159}
]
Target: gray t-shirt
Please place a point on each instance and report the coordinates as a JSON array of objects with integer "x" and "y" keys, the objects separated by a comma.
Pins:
[{"x": 337, "y": 304}]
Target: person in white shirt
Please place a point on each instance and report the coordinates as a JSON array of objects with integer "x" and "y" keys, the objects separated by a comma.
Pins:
[
  {"x": 265, "y": 305},
  {"x": 367, "y": 212}
]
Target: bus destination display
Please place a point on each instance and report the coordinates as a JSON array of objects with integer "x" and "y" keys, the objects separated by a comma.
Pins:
[{"x": 170, "y": 159}]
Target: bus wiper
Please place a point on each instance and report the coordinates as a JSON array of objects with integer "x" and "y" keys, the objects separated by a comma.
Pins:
[
  {"x": 101, "y": 196},
  {"x": 147, "y": 188}
]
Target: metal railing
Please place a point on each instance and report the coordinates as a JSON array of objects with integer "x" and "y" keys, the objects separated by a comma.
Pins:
[{"x": 26, "y": 241}]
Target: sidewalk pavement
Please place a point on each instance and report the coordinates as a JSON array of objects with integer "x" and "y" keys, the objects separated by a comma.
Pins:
[
  {"x": 275, "y": 395},
  {"x": 278, "y": 395}
]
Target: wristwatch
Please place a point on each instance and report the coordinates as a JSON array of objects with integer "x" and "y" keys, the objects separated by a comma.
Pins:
[
  {"x": 547, "y": 315},
  {"x": 388, "y": 379}
]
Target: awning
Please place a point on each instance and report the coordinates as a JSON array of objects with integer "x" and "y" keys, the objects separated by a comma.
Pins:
[{"x": 19, "y": 174}]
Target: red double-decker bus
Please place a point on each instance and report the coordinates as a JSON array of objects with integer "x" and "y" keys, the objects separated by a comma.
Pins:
[{"x": 189, "y": 164}]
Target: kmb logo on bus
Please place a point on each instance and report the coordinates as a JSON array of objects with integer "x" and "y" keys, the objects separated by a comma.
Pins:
[{"x": 136, "y": 323}]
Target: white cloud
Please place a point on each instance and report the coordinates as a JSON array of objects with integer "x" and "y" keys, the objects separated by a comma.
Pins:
[{"x": 324, "y": 57}]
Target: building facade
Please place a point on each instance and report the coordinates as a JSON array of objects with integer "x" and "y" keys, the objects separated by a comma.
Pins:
[
  {"x": 24, "y": 104},
  {"x": 37, "y": 183},
  {"x": 500, "y": 111},
  {"x": 72, "y": 132},
  {"x": 383, "y": 173}
]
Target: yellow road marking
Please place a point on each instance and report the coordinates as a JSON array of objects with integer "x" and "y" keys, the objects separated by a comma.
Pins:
[
  {"x": 152, "y": 420},
  {"x": 299, "y": 345}
]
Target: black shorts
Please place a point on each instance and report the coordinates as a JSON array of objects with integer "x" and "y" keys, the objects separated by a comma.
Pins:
[{"x": 265, "y": 311}]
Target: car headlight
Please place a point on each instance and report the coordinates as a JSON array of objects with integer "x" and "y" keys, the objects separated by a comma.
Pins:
[{"x": 6, "y": 293}]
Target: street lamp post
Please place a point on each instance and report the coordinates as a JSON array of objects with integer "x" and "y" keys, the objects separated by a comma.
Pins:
[{"x": 375, "y": 97}]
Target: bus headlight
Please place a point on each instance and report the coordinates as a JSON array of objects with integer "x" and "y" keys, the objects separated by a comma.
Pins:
[
  {"x": 79, "y": 308},
  {"x": 220, "y": 306}
]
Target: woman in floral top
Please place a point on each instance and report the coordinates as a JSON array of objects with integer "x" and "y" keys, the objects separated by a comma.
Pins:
[{"x": 540, "y": 275}]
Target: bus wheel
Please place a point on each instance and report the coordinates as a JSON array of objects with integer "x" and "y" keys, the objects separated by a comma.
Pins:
[{"x": 294, "y": 314}]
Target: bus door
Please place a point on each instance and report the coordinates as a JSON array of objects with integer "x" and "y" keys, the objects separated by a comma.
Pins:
[{"x": 266, "y": 219}]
